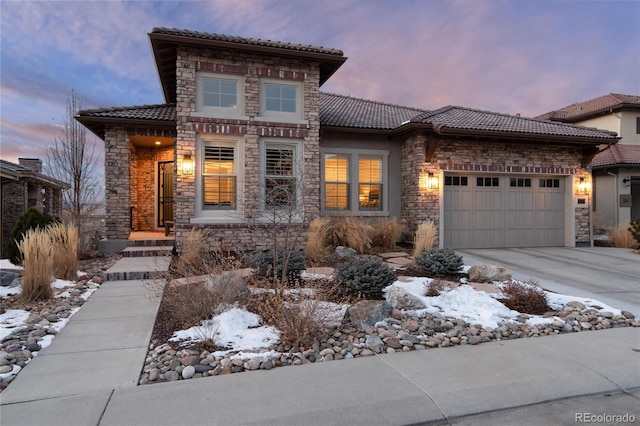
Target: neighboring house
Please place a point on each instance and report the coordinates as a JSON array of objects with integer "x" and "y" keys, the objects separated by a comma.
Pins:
[
  {"x": 246, "y": 115},
  {"x": 616, "y": 169},
  {"x": 22, "y": 186}
]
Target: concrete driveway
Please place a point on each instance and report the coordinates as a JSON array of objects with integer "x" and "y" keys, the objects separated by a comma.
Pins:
[{"x": 610, "y": 275}]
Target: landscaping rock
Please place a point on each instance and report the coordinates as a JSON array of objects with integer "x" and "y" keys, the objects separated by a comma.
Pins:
[
  {"x": 488, "y": 273},
  {"x": 400, "y": 298},
  {"x": 7, "y": 277},
  {"x": 344, "y": 253},
  {"x": 367, "y": 313}
]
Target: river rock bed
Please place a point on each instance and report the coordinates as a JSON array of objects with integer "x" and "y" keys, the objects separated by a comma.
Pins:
[{"x": 404, "y": 331}]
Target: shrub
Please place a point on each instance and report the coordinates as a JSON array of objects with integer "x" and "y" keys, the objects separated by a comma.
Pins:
[
  {"x": 35, "y": 250},
  {"x": 622, "y": 236},
  {"x": 348, "y": 232},
  {"x": 316, "y": 248},
  {"x": 196, "y": 258},
  {"x": 365, "y": 277},
  {"x": 268, "y": 264},
  {"x": 425, "y": 237},
  {"x": 526, "y": 298},
  {"x": 634, "y": 229},
  {"x": 386, "y": 233},
  {"x": 30, "y": 219},
  {"x": 439, "y": 261},
  {"x": 64, "y": 241},
  {"x": 434, "y": 288}
]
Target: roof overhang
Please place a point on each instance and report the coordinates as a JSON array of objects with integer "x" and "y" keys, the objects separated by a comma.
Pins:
[
  {"x": 165, "y": 47},
  {"x": 97, "y": 125}
]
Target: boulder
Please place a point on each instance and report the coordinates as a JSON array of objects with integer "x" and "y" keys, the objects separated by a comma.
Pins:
[
  {"x": 488, "y": 273},
  {"x": 345, "y": 253},
  {"x": 368, "y": 312},
  {"x": 7, "y": 277},
  {"x": 400, "y": 298}
]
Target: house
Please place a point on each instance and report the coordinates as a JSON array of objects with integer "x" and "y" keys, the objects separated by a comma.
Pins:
[
  {"x": 22, "y": 186},
  {"x": 246, "y": 132},
  {"x": 616, "y": 169}
]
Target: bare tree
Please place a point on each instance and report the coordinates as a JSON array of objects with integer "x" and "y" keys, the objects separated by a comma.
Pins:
[{"x": 72, "y": 159}]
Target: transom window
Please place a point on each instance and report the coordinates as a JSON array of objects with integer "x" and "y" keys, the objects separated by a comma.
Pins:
[
  {"x": 520, "y": 182},
  {"x": 367, "y": 172},
  {"x": 487, "y": 181},
  {"x": 549, "y": 183},
  {"x": 219, "y": 173},
  {"x": 219, "y": 92},
  {"x": 456, "y": 180},
  {"x": 280, "y": 176}
]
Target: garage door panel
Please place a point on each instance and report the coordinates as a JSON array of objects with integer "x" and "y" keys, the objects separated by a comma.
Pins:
[{"x": 504, "y": 211}]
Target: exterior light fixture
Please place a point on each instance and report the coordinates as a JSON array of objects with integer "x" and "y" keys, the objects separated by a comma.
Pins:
[
  {"x": 432, "y": 181},
  {"x": 158, "y": 142},
  {"x": 187, "y": 165},
  {"x": 583, "y": 186}
]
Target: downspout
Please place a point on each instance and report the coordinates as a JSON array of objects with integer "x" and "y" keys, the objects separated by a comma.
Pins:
[{"x": 617, "y": 197}]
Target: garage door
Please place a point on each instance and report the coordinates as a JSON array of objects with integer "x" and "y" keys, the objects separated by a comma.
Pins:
[{"x": 484, "y": 211}]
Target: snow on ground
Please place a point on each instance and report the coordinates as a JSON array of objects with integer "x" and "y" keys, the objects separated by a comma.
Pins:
[
  {"x": 11, "y": 320},
  {"x": 6, "y": 264}
]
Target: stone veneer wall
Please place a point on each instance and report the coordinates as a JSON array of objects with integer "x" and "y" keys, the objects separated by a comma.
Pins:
[
  {"x": 477, "y": 156},
  {"x": 252, "y": 67},
  {"x": 117, "y": 179}
]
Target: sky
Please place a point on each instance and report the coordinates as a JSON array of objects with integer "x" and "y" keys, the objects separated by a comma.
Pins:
[{"x": 511, "y": 56}]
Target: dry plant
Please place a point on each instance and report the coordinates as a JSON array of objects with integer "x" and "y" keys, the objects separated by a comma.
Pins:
[
  {"x": 434, "y": 288},
  {"x": 301, "y": 316},
  {"x": 425, "y": 236},
  {"x": 620, "y": 236},
  {"x": 386, "y": 233},
  {"x": 526, "y": 298},
  {"x": 65, "y": 243},
  {"x": 196, "y": 258},
  {"x": 35, "y": 249},
  {"x": 316, "y": 249},
  {"x": 349, "y": 232}
]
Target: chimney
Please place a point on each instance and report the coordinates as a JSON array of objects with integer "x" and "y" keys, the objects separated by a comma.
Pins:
[{"x": 33, "y": 164}]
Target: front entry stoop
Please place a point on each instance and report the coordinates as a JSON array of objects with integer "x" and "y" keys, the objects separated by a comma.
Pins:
[{"x": 142, "y": 259}]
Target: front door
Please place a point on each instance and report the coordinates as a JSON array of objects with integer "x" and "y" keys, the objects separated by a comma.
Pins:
[{"x": 165, "y": 192}]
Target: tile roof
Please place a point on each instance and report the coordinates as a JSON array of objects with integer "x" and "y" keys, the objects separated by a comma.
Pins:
[
  {"x": 463, "y": 119},
  {"x": 617, "y": 155},
  {"x": 161, "y": 112},
  {"x": 592, "y": 107},
  {"x": 247, "y": 41},
  {"x": 345, "y": 111},
  {"x": 15, "y": 171}
]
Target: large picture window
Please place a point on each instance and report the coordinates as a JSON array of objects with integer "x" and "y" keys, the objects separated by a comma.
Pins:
[
  {"x": 219, "y": 175},
  {"x": 354, "y": 181}
]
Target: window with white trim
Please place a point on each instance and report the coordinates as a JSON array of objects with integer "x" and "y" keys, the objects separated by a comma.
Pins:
[
  {"x": 280, "y": 174},
  {"x": 219, "y": 94},
  {"x": 219, "y": 176},
  {"x": 281, "y": 100},
  {"x": 366, "y": 169}
]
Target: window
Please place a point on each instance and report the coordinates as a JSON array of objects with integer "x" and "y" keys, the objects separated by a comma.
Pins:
[
  {"x": 370, "y": 182},
  {"x": 219, "y": 173},
  {"x": 280, "y": 181},
  {"x": 487, "y": 181},
  {"x": 280, "y": 100},
  {"x": 336, "y": 177},
  {"x": 367, "y": 170},
  {"x": 456, "y": 181},
  {"x": 520, "y": 182},
  {"x": 549, "y": 183},
  {"x": 638, "y": 125},
  {"x": 220, "y": 95}
]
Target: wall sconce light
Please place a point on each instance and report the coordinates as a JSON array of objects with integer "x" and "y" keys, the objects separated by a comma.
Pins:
[
  {"x": 583, "y": 186},
  {"x": 187, "y": 164},
  {"x": 428, "y": 181}
]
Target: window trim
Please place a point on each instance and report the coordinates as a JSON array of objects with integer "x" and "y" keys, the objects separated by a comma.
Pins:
[
  {"x": 203, "y": 215},
  {"x": 288, "y": 117},
  {"x": 221, "y": 112},
  {"x": 297, "y": 146},
  {"x": 353, "y": 200}
]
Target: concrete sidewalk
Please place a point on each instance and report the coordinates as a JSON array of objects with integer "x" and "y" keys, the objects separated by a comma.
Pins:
[{"x": 88, "y": 377}]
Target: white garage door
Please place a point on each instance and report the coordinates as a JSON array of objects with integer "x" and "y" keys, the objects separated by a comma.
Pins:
[{"x": 485, "y": 211}]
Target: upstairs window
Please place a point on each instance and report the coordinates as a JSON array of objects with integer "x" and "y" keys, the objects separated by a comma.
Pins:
[
  {"x": 219, "y": 95},
  {"x": 281, "y": 101},
  {"x": 219, "y": 175}
]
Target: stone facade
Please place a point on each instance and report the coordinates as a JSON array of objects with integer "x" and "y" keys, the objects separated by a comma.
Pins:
[{"x": 118, "y": 171}]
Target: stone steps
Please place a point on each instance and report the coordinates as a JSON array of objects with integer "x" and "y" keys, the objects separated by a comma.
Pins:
[
  {"x": 143, "y": 259},
  {"x": 147, "y": 251}
]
